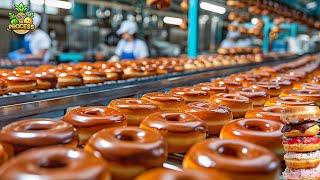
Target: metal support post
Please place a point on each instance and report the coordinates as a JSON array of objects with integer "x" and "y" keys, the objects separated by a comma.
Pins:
[{"x": 193, "y": 28}]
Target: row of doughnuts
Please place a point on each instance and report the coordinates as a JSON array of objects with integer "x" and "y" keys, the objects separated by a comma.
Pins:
[
  {"x": 271, "y": 7},
  {"x": 175, "y": 122},
  {"x": 28, "y": 78},
  {"x": 239, "y": 50}
]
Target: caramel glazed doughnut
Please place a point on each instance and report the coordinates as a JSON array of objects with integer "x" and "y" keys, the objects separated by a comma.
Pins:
[
  {"x": 89, "y": 120},
  {"x": 135, "y": 110},
  {"x": 214, "y": 115},
  {"x": 262, "y": 132},
  {"x": 26, "y": 134},
  {"x": 128, "y": 151},
  {"x": 234, "y": 159},
  {"x": 165, "y": 174},
  {"x": 55, "y": 162},
  {"x": 180, "y": 130}
]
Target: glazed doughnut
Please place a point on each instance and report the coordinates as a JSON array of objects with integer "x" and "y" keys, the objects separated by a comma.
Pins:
[
  {"x": 235, "y": 159},
  {"x": 18, "y": 84},
  {"x": 149, "y": 70},
  {"x": 130, "y": 150},
  {"x": 26, "y": 134},
  {"x": 262, "y": 132},
  {"x": 298, "y": 114},
  {"x": 180, "y": 130},
  {"x": 215, "y": 116},
  {"x": 69, "y": 78},
  {"x": 24, "y": 70},
  {"x": 310, "y": 86},
  {"x": 305, "y": 94},
  {"x": 190, "y": 94},
  {"x": 56, "y": 162},
  {"x": 3, "y": 87},
  {"x": 168, "y": 174},
  {"x": 288, "y": 101},
  {"x": 5, "y": 72},
  {"x": 257, "y": 96},
  {"x": 133, "y": 72},
  {"x": 212, "y": 88},
  {"x": 45, "y": 80},
  {"x": 239, "y": 105},
  {"x": 47, "y": 68},
  {"x": 271, "y": 113},
  {"x": 272, "y": 89},
  {"x": 114, "y": 73},
  {"x": 89, "y": 120},
  {"x": 93, "y": 77},
  {"x": 84, "y": 66},
  {"x": 134, "y": 110},
  {"x": 6, "y": 152},
  {"x": 284, "y": 84},
  {"x": 229, "y": 83},
  {"x": 165, "y": 69},
  {"x": 166, "y": 102}
]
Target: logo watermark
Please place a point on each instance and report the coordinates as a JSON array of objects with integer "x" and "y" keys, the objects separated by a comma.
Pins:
[{"x": 22, "y": 21}]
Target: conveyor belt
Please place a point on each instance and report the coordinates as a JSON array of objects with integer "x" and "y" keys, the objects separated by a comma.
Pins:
[
  {"x": 18, "y": 98},
  {"x": 101, "y": 94}
]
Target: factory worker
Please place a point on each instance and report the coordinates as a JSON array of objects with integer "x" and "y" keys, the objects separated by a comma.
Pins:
[
  {"x": 36, "y": 44},
  {"x": 129, "y": 47},
  {"x": 231, "y": 40}
]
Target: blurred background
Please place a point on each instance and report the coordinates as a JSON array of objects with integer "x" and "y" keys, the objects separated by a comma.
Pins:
[{"x": 86, "y": 29}]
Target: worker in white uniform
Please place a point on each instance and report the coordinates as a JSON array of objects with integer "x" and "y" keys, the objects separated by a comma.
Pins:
[
  {"x": 129, "y": 47},
  {"x": 231, "y": 40},
  {"x": 36, "y": 44}
]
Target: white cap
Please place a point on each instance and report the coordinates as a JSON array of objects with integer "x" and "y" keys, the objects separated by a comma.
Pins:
[
  {"x": 130, "y": 27},
  {"x": 36, "y": 20}
]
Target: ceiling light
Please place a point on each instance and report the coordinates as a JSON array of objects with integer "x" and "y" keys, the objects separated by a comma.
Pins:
[
  {"x": 172, "y": 20},
  {"x": 212, "y": 7},
  {"x": 54, "y": 3}
]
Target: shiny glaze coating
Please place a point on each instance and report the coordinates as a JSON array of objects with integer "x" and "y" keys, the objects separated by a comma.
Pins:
[
  {"x": 6, "y": 152},
  {"x": 132, "y": 104},
  {"x": 213, "y": 114},
  {"x": 288, "y": 101},
  {"x": 130, "y": 145},
  {"x": 231, "y": 156},
  {"x": 298, "y": 114},
  {"x": 306, "y": 94},
  {"x": 165, "y": 101},
  {"x": 212, "y": 88},
  {"x": 91, "y": 116},
  {"x": 3, "y": 87},
  {"x": 237, "y": 103},
  {"x": 262, "y": 132},
  {"x": 56, "y": 162},
  {"x": 135, "y": 110},
  {"x": 191, "y": 94},
  {"x": 271, "y": 113},
  {"x": 168, "y": 174},
  {"x": 180, "y": 130},
  {"x": 175, "y": 122},
  {"x": 310, "y": 86},
  {"x": 256, "y": 96},
  {"x": 273, "y": 89},
  {"x": 37, "y": 132}
]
